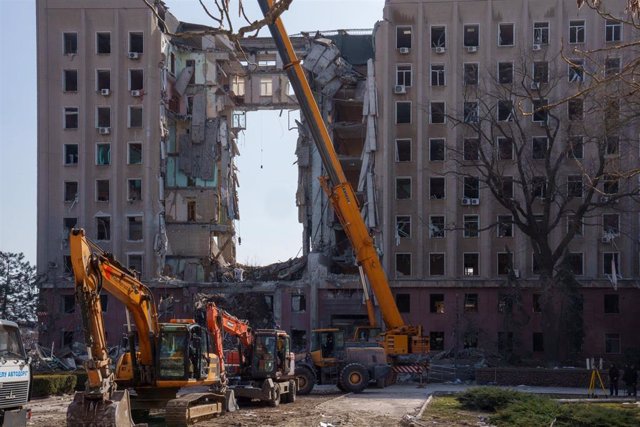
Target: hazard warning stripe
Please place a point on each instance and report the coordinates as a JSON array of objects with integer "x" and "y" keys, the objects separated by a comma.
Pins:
[{"x": 408, "y": 369}]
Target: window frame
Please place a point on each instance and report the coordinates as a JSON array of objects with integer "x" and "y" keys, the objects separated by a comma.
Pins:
[
  {"x": 444, "y": 188},
  {"x": 579, "y": 231},
  {"x": 102, "y": 107},
  {"x": 108, "y": 217},
  {"x": 404, "y": 74},
  {"x": 444, "y": 112},
  {"x": 510, "y": 263},
  {"x": 616, "y": 257},
  {"x": 464, "y": 34},
  {"x": 97, "y": 45},
  {"x": 444, "y": 264},
  {"x": 406, "y": 222},
  {"x": 465, "y": 186},
  {"x": 410, "y": 105},
  {"x": 129, "y": 198},
  {"x": 469, "y": 233},
  {"x": 501, "y": 140},
  {"x": 444, "y": 34},
  {"x": 64, "y": 80},
  {"x": 444, "y": 149},
  {"x": 97, "y": 189},
  {"x": 410, "y": 187},
  {"x": 581, "y": 254},
  {"x": 98, "y": 152},
  {"x": 615, "y": 231},
  {"x": 440, "y": 79},
  {"x": 513, "y": 34},
  {"x": 469, "y": 115},
  {"x": 571, "y": 180},
  {"x": 410, "y": 27},
  {"x": 579, "y": 38},
  {"x": 65, "y": 154},
  {"x": 548, "y": 31},
  {"x": 129, "y": 144},
  {"x": 499, "y": 223},
  {"x": 477, "y": 255},
  {"x": 129, "y": 33},
  {"x": 66, "y": 113},
  {"x": 613, "y": 23},
  {"x": 130, "y": 110},
  {"x": 129, "y": 239},
  {"x": 499, "y": 74},
  {"x": 64, "y": 44},
  {"x": 475, "y": 65},
  {"x": 397, "y": 158},
  {"x": 396, "y": 264},
  {"x": 443, "y": 231}
]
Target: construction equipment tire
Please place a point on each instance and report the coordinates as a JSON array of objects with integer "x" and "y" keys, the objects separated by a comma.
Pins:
[
  {"x": 276, "y": 400},
  {"x": 293, "y": 391},
  {"x": 306, "y": 380},
  {"x": 354, "y": 377}
]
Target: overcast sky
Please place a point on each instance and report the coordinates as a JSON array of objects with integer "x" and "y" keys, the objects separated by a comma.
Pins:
[{"x": 268, "y": 228}]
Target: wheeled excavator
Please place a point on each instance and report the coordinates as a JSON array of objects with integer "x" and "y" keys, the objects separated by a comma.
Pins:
[{"x": 164, "y": 361}]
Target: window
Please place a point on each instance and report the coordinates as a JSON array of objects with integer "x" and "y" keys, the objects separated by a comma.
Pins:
[
  {"x": 505, "y": 148},
  {"x": 190, "y": 63},
  {"x": 471, "y": 149},
  {"x": 613, "y": 30},
  {"x": 611, "y": 261},
  {"x": 539, "y": 111},
  {"x": 266, "y": 86},
  {"x": 68, "y": 224},
  {"x": 135, "y": 263},
  {"x": 136, "y": 79},
  {"x": 103, "y": 154},
  {"x": 576, "y": 32},
  {"x": 134, "y": 189},
  {"x": 403, "y": 188},
  {"x": 403, "y": 37},
  {"x": 505, "y": 111},
  {"x": 572, "y": 222},
  {"x": 575, "y": 109},
  {"x": 103, "y": 117},
  {"x": 136, "y": 42},
  {"x": 403, "y": 301},
  {"x": 470, "y": 339},
  {"x": 437, "y": 75},
  {"x": 103, "y": 227},
  {"x": 539, "y": 187},
  {"x": 471, "y": 225},
  {"x": 191, "y": 210},
  {"x": 505, "y": 342},
  {"x": 70, "y": 154},
  {"x": 536, "y": 303},
  {"x": 611, "y": 224},
  {"x": 71, "y": 117},
  {"x": 238, "y": 86},
  {"x": 471, "y": 264},
  {"x": 70, "y": 80},
  {"x": 540, "y": 147},
  {"x": 471, "y": 303},
  {"x": 102, "y": 190},
  {"x": 436, "y": 264},
  {"x": 403, "y": 226},
  {"x": 134, "y": 231},
  {"x": 134, "y": 156},
  {"x": 612, "y": 146},
  {"x": 403, "y": 265},
  {"x": 436, "y": 149},
  {"x": 574, "y": 186},
  {"x": 298, "y": 303},
  {"x": 436, "y": 188},
  {"x": 506, "y": 34},
  {"x": 611, "y": 113},
  {"x": 104, "y": 302},
  {"x": 506, "y": 187},
  {"x": 436, "y": 226},
  {"x": 438, "y": 37},
  {"x": 576, "y": 71},
  {"x": 505, "y": 303},
  {"x": 403, "y": 112},
  {"x": 471, "y": 187},
  {"x": 437, "y": 110},
  {"x": 505, "y": 263},
  {"x": 505, "y": 226},
  {"x": 67, "y": 339},
  {"x": 470, "y": 76},
  {"x": 103, "y": 79},
  {"x": 611, "y": 303},
  {"x": 68, "y": 303},
  {"x": 576, "y": 149},
  {"x": 541, "y": 33},
  {"x": 505, "y": 72},
  {"x": 574, "y": 263},
  {"x": 612, "y": 343},
  {"x": 471, "y": 35},
  {"x": 612, "y": 67},
  {"x": 103, "y": 43},
  {"x": 403, "y": 75},
  {"x": 538, "y": 342},
  {"x": 436, "y": 303},
  {"x": 70, "y": 43},
  {"x": 471, "y": 112},
  {"x": 135, "y": 117},
  {"x": 541, "y": 72},
  {"x": 70, "y": 191},
  {"x": 66, "y": 263},
  {"x": 403, "y": 150},
  {"x": 436, "y": 340},
  {"x": 610, "y": 184}
]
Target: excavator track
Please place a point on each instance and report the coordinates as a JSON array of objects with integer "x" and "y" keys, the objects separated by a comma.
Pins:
[{"x": 193, "y": 407}]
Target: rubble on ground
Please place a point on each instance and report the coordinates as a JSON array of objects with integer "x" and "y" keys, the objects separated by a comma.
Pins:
[{"x": 293, "y": 269}]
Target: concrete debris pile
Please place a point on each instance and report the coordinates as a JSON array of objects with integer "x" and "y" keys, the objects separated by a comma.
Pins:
[
  {"x": 292, "y": 269},
  {"x": 68, "y": 358},
  {"x": 330, "y": 70},
  {"x": 254, "y": 307}
]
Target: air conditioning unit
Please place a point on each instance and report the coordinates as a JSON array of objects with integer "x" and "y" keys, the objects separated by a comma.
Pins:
[
  {"x": 136, "y": 93},
  {"x": 105, "y": 92},
  {"x": 104, "y": 131},
  {"x": 466, "y": 201},
  {"x": 472, "y": 49},
  {"x": 535, "y": 85},
  {"x": 399, "y": 89},
  {"x": 537, "y": 47},
  {"x": 475, "y": 202},
  {"x": 516, "y": 273},
  {"x": 404, "y": 50},
  {"x": 134, "y": 55},
  {"x": 440, "y": 49}
]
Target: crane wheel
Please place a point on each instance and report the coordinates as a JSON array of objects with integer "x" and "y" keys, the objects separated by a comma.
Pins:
[
  {"x": 354, "y": 377},
  {"x": 306, "y": 380}
]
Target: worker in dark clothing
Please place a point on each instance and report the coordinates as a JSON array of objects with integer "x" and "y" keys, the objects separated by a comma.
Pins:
[
  {"x": 631, "y": 380},
  {"x": 613, "y": 379}
]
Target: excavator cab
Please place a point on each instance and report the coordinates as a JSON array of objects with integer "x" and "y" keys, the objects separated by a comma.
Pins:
[
  {"x": 326, "y": 346},
  {"x": 183, "y": 352},
  {"x": 271, "y": 354}
]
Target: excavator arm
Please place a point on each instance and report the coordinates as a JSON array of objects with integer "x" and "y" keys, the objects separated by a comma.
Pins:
[{"x": 219, "y": 320}]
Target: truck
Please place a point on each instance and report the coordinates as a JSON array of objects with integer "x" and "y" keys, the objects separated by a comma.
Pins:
[{"x": 15, "y": 377}]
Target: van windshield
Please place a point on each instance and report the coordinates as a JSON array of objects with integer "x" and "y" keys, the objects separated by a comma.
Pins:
[{"x": 10, "y": 342}]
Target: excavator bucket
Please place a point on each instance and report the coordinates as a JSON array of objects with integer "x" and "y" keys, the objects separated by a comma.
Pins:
[{"x": 113, "y": 412}]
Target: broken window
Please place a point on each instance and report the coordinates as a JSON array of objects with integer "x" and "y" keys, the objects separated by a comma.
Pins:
[
  {"x": 266, "y": 86},
  {"x": 573, "y": 221},
  {"x": 612, "y": 343},
  {"x": 436, "y": 340},
  {"x": 266, "y": 63},
  {"x": 505, "y": 148},
  {"x": 403, "y": 75},
  {"x": 540, "y": 147},
  {"x": 403, "y": 226},
  {"x": 610, "y": 184},
  {"x": 437, "y": 110},
  {"x": 611, "y": 303},
  {"x": 470, "y": 75},
  {"x": 103, "y": 117},
  {"x": 438, "y": 37},
  {"x": 67, "y": 339},
  {"x": 66, "y": 263},
  {"x": 298, "y": 303},
  {"x": 471, "y": 187},
  {"x": 436, "y": 149},
  {"x": 471, "y": 35},
  {"x": 536, "y": 303},
  {"x": 403, "y": 112},
  {"x": 103, "y": 228},
  {"x": 103, "y": 43},
  {"x": 539, "y": 111},
  {"x": 506, "y": 187},
  {"x": 576, "y": 70},
  {"x": 70, "y": 154},
  {"x": 403, "y": 302},
  {"x": 505, "y": 226},
  {"x": 190, "y": 63},
  {"x": 136, "y": 79},
  {"x": 470, "y": 302},
  {"x": 436, "y": 226},
  {"x": 540, "y": 33},
  {"x": 612, "y": 146},
  {"x": 436, "y": 303},
  {"x": 612, "y": 67},
  {"x": 505, "y": 263},
  {"x": 70, "y": 43},
  {"x": 505, "y": 72},
  {"x": 506, "y": 34},
  {"x": 436, "y": 188},
  {"x": 135, "y": 117},
  {"x": 136, "y": 42},
  {"x": 576, "y": 147},
  {"x": 103, "y": 78},
  {"x": 104, "y": 302},
  {"x": 437, "y": 75},
  {"x": 611, "y": 224},
  {"x": 471, "y": 112},
  {"x": 538, "y": 342},
  {"x": 67, "y": 225},
  {"x": 574, "y": 262},
  {"x": 239, "y": 120},
  {"x": 71, "y": 117},
  {"x": 134, "y": 230},
  {"x": 574, "y": 186},
  {"x": 103, "y": 154},
  {"x": 403, "y": 265},
  {"x": 541, "y": 72},
  {"x": 403, "y": 37},
  {"x": 237, "y": 85},
  {"x": 191, "y": 210},
  {"x": 575, "y": 109},
  {"x": 505, "y": 342},
  {"x": 134, "y": 189},
  {"x": 471, "y": 149},
  {"x": 505, "y": 111},
  {"x": 436, "y": 264},
  {"x": 403, "y": 188},
  {"x": 471, "y": 264},
  {"x": 471, "y": 225},
  {"x": 576, "y": 32},
  {"x": 70, "y": 191},
  {"x": 135, "y": 153},
  {"x": 68, "y": 303},
  {"x": 613, "y": 30},
  {"x": 611, "y": 262},
  {"x": 102, "y": 190},
  {"x": 403, "y": 150},
  {"x": 135, "y": 263},
  {"x": 539, "y": 187},
  {"x": 70, "y": 80}
]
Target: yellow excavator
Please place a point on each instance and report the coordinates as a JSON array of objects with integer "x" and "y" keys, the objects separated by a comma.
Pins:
[{"x": 163, "y": 362}]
